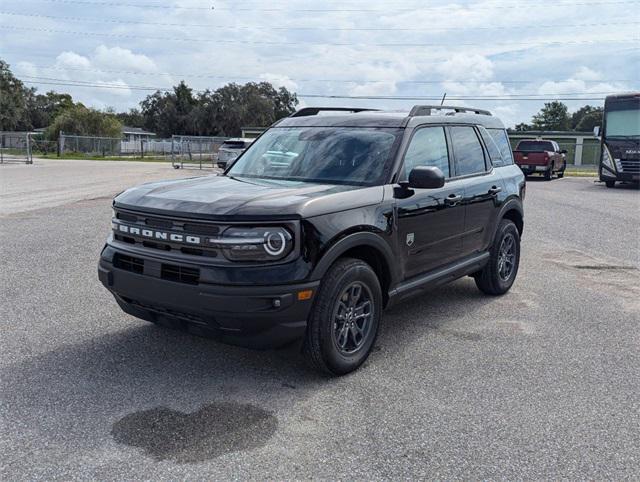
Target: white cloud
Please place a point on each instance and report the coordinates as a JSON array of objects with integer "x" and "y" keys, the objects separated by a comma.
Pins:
[
  {"x": 480, "y": 42},
  {"x": 585, "y": 73},
  {"x": 279, "y": 81},
  {"x": 467, "y": 67},
  {"x": 72, "y": 59},
  {"x": 373, "y": 89},
  {"x": 118, "y": 58},
  {"x": 122, "y": 89},
  {"x": 583, "y": 81},
  {"x": 27, "y": 68}
]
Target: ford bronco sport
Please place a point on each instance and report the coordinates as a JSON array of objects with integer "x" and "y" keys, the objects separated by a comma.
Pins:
[{"x": 321, "y": 224}]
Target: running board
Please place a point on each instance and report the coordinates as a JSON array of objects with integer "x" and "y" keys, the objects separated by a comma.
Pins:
[{"x": 441, "y": 276}]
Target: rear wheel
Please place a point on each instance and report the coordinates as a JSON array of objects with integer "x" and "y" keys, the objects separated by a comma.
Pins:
[
  {"x": 548, "y": 174},
  {"x": 343, "y": 324},
  {"x": 610, "y": 183},
  {"x": 497, "y": 277}
]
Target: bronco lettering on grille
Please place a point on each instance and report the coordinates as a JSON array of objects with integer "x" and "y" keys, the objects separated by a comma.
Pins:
[{"x": 161, "y": 235}]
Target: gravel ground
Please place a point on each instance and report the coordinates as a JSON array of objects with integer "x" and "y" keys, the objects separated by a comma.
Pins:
[{"x": 541, "y": 383}]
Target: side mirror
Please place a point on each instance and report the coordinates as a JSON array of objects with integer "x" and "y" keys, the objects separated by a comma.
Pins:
[
  {"x": 426, "y": 177},
  {"x": 596, "y": 131},
  {"x": 563, "y": 151}
]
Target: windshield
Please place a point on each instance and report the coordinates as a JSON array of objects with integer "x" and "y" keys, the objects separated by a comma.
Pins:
[
  {"x": 534, "y": 146},
  {"x": 331, "y": 155},
  {"x": 623, "y": 123}
]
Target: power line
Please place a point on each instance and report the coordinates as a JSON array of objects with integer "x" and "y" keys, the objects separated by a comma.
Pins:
[
  {"x": 317, "y": 10},
  {"x": 340, "y": 29},
  {"x": 337, "y": 44},
  {"x": 565, "y": 96},
  {"x": 353, "y": 81}
]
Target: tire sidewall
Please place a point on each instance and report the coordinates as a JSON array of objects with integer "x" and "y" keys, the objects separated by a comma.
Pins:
[
  {"x": 505, "y": 228},
  {"x": 337, "y": 361}
]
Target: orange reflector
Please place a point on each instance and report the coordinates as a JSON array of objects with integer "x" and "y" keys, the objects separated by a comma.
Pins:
[{"x": 305, "y": 295}]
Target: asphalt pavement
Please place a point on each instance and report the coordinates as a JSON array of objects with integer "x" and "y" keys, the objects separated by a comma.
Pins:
[{"x": 541, "y": 383}]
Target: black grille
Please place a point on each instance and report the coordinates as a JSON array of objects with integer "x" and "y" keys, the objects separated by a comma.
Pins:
[
  {"x": 128, "y": 263},
  {"x": 180, "y": 274},
  {"x": 201, "y": 229},
  {"x": 127, "y": 217},
  {"x": 159, "y": 223},
  {"x": 631, "y": 165},
  {"x": 177, "y": 226},
  {"x": 190, "y": 317}
]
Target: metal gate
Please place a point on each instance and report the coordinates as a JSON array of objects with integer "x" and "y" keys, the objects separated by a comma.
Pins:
[
  {"x": 197, "y": 151},
  {"x": 16, "y": 147}
]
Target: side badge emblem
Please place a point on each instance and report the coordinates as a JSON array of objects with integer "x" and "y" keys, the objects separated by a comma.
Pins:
[{"x": 410, "y": 239}]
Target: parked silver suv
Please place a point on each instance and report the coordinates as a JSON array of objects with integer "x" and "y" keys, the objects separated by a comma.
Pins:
[{"x": 231, "y": 150}]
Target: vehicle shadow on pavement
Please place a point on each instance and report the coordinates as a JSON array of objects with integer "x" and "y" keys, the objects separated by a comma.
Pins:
[{"x": 188, "y": 399}]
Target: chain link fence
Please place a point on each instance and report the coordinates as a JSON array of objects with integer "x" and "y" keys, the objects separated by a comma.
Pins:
[
  {"x": 16, "y": 147},
  {"x": 181, "y": 150},
  {"x": 90, "y": 146},
  {"x": 195, "y": 150}
]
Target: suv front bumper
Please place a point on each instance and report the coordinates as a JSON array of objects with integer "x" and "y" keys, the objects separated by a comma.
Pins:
[{"x": 252, "y": 316}]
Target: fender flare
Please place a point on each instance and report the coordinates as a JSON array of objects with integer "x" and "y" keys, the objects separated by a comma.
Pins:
[
  {"x": 512, "y": 203},
  {"x": 351, "y": 241}
]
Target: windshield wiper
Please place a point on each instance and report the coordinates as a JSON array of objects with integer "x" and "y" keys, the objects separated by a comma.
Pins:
[{"x": 636, "y": 136}]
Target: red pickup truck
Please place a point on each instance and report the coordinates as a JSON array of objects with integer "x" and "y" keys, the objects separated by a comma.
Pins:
[{"x": 540, "y": 156}]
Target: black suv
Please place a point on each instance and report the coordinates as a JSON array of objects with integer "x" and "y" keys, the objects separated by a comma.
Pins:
[{"x": 321, "y": 224}]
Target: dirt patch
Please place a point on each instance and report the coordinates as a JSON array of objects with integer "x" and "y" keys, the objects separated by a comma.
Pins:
[{"x": 212, "y": 431}]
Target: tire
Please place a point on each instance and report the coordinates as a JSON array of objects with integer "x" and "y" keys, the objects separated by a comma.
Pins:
[
  {"x": 610, "y": 184},
  {"x": 329, "y": 346},
  {"x": 548, "y": 174},
  {"x": 564, "y": 168},
  {"x": 493, "y": 279}
]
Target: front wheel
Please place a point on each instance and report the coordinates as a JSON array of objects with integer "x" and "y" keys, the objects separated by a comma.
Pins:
[
  {"x": 497, "y": 277},
  {"x": 610, "y": 183},
  {"x": 343, "y": 324},
  {"x": 561, "y": 172}
]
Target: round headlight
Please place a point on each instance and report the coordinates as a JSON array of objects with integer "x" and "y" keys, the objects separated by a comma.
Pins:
[
  {"x": 274, "y": 243},
  {"x": 255, "y": 243}
]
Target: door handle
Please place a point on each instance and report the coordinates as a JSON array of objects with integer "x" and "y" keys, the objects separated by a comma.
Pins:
[
  {"x": 452, "y": 199},
  {"x": 495, "y": 190}
]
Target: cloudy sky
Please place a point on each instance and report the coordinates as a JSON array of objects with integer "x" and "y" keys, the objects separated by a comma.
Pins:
[{"x": 505, "y": 55}]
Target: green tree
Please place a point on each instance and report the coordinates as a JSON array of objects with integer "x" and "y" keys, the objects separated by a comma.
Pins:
[
  {"x": 522, "y": 127},
  {"x": 220, "y": 112},
  {"x": 170, "y": 112},
  {"x": 586, "y": 118},
  {"x": 589, "y": 121},
  {"x": 44, "y": 108},
  {"x": 554, "y": 116},
  {"x": 133, "y": 118},
  {"x": 14, "y": 101},
  {"x": 82, "y": 121}
]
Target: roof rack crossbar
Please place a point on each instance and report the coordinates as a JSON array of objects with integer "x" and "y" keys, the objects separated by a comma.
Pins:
[
  {"x": 426, "y": 109},
  {"x": 309, "y": 111}
]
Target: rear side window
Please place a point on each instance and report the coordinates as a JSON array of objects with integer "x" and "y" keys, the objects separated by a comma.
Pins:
[
  {"x": 534, "y": 146},
  {"x": 467, "y": 150},
  {"x": 494, "y": 152},
  {"x": 233, "y": 145},
  {"x": 502, "y": 141},
  {"x": 428, "y": 148}
]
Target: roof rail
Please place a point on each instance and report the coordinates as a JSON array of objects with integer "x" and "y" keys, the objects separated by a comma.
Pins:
[
  {"x": 309, "y": 111},
  {"x": 426, "y": 110}
]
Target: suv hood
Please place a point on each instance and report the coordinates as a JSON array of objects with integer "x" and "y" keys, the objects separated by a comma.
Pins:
[{"x": 220, "y": 197}]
